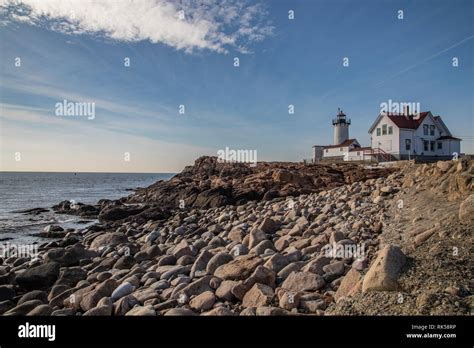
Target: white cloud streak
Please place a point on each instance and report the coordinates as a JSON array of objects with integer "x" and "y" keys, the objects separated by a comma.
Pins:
[{"x": 188, "y": 25}]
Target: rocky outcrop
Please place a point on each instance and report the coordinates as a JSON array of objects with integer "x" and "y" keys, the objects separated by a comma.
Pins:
[
  {"x": 327, "y": 240},
  {"x": 210, "y": 183}
]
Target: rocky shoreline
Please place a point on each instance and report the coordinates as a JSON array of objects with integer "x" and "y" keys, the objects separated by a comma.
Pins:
[{"x": 274, "y": 239}]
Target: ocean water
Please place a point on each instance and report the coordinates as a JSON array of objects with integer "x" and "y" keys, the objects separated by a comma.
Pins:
[{"x": 21, "y": 190}]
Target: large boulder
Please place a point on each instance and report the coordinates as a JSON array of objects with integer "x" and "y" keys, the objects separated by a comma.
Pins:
[
  {"x": 466, "y": 210},
  {"x": 383, "y": 273},
  {"x": 108, "y": 240},
  {"x": 39, "y": 277}
]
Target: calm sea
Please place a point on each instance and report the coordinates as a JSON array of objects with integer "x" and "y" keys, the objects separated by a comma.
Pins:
[{"x": 20, "y": 191}]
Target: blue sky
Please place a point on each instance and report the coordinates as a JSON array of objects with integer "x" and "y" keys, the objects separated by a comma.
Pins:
[{"x": 282, "y": 62}]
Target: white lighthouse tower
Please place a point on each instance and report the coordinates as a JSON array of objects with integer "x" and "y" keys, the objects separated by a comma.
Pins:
[{"x": 341, "y": 127}]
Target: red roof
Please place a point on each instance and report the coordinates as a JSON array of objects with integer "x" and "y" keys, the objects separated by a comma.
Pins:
[
  {"x": 447, "y": 137},
  {"x": 407, "y": 122},
  {"x": 345, "y": 143}
]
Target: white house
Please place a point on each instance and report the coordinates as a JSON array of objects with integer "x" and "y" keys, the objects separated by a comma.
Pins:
[{"x": 407, "y": 136}]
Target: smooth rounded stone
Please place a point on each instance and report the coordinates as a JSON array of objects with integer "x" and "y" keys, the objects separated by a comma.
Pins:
[
  {"x": 105, "y": 289},
  {"x": 203, "y": 302},
  {"x": 180, "y": 312},
  {"x": 386, "y": 190},
  {"x": 224, "y": 291},
  {"x": 258, "y": 295},
  {"x": 122, "y": 290},
  {"x": 360, "y": 264},
  {"x": 103, "y": 276},
  {"x": 6, "y": 306},
  {"x": 335, "y": 268},
  {"x": 303, "y": 281},
  {"x": 175, "y": 271},
  {"x": 292, "y": 267},
  {"x": 152, "y": 236},
  {"x": 53, "y": 228},
  {"x": 166, "y": 260},
  {"x": 237, "y": 234},
  {"x": 125, "y": 304},
  {"x": 220, "y": 312},
  {"x": 71, "y": 276},
  {"x": 42, "y": 310},
  {"x": 269, "y": 225},
  {"x": 39, "y": 277},
  {"x": 316, "y": 266},
  {"x": 249, "y": 312},
  {"x": 218, "y": 260},
  {"x": 132, "y": 280},
  {"x": 124, "y": 262},
  {"x": 109, "y": 239},
  {"x": 180, "y": 280},
  {"x": 216, "y": 242},
  {"x": 160, "y": 285},
  {"x": 255, "y": 237},
  {"x": 63, "y": 312},
  {"x": 181, "y": 249},
  {"x": 34, "y": 295},
  {"x": 215, "y": 282},
  {"x": 239, "y": 268},
  {"x": 20, "y": 260},
  {"x": 153, "y": 251},
  {"x": 199, "y": 244},
  {"x": 261, "y": 247},
  {"x": 312, "y": 306},
  {"x": 270, "y": 311},
  {"x": 282, "y": 243},
  {"x": 7, "y": 293},
  {"x": 24, "y": 308},
  {"x": 100, "y": 310},
  {"x": 289, "y": 300},
  {"x": 199, "y": 266},
  {"x": 278, "y": 261},
  {"x": 141, "y": 311},
  {"x": 186, "y": 260}
]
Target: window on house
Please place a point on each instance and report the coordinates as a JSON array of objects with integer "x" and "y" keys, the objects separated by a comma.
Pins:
[
  {"x": 378, "y": 131},
  {"x": 407, "y": 144},
  {"x": 390, "y": 130},
  {"x": 425, "y": 129},
  {"x": 341, "y": 149},
  {"x": 358, "y": 153},
  {"x": 384, "y": 129},
  {"x": 440, "y": 145},
  {"x": 432, "y": 145},
  {"x": 426, "y": 145},
  {"x": 432, "y": 130},
  {"x": 327, "y": 150}
]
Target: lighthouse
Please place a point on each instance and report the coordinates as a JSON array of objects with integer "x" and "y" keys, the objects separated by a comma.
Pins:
[{"x": 341, "y": 127}]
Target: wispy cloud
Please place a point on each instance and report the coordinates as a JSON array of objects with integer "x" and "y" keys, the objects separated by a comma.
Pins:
[{"x": 216, "y": 25}]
